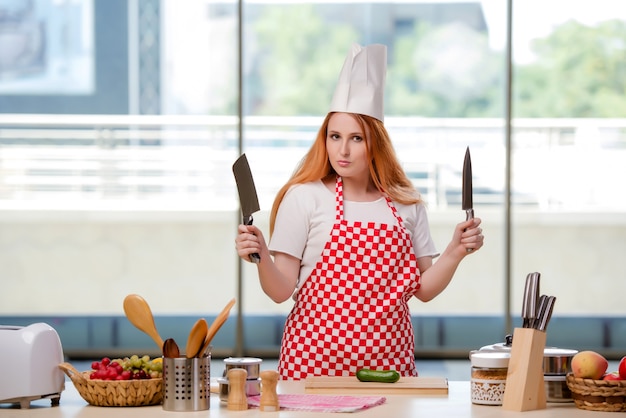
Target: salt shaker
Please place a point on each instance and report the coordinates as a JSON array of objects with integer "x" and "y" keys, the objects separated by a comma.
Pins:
[
  {"x": 237, "y": 398},
  {"x": 269, "y": 398}
]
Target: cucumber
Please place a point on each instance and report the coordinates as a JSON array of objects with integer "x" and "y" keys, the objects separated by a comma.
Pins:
[{"x": 383, "y": 376}]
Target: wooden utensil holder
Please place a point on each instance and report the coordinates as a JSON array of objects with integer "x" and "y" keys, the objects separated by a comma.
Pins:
[{"x": 525, "y": 389}]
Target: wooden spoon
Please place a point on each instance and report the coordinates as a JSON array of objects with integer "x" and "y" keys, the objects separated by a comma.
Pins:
[
  {"x": 215, "y": 326},
  {"x": 196, "y": 338},
  {"x": 170, "y": 349},
  {"x": 139, "y": 314}
]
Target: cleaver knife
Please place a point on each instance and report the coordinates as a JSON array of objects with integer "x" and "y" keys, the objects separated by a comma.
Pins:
[{"x": 247, "y": 194}]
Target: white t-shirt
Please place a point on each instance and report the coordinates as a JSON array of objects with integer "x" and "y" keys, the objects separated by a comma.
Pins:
[{"x": 307, "y": 215}]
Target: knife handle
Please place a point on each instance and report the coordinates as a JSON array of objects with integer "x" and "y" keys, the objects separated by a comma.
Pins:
[
  {"x": 469, "y": 214},
  {"x": 545, "y": 318},
  {"x": 541, "y": 309},
  {"x": 526, "y": 323},
  {"x": 255, "y": 258}
]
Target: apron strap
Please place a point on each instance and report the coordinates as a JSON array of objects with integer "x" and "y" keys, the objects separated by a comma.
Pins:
[
  {"x": 395, "y": 212},
  {"x": 338, "y": 199}
]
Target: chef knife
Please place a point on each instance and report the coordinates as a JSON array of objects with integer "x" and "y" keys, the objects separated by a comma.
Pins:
[
  {"x": 541, "y": 309},
  {"x": 534, "y": 298},
  {"x": 247, "y": 194},
  {"x": 526, "y": 302},
  {"x": 467, "y": 199},
  {"x": 545, "y": 317}
]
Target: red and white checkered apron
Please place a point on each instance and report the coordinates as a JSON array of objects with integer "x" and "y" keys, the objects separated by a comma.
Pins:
[{"x": 352, "y": 311}]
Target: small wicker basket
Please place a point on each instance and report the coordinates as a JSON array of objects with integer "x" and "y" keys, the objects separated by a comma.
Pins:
[
  {"x": 115, "y": 392},
  {"x": 598, "y": 395}
]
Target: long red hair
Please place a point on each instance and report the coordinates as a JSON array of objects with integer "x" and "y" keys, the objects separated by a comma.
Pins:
[{"x": 385, "y": 169}]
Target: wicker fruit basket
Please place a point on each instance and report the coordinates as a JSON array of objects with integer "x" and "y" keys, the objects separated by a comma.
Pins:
[
  {"x": 115, "y": 392},
  {"x": 598, "y": 395}
]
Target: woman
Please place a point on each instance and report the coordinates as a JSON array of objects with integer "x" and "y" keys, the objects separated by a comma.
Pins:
[{"x": 350, "y": 243}]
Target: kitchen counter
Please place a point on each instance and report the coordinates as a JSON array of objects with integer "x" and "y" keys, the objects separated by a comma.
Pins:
[{"x": 456, "y": 404}]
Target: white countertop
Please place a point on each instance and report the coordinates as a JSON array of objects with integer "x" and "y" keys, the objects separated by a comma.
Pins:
[{"x": 456, "y": 404}]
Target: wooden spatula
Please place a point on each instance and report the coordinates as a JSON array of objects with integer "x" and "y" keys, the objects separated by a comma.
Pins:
[
  {"x": 196, "y": 338},
  {"x": 215, "y": 326},
  {"x": 140, "y": 315}
]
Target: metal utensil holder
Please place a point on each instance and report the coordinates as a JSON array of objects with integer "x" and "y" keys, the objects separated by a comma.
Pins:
[{"x": 187, "y": 383}]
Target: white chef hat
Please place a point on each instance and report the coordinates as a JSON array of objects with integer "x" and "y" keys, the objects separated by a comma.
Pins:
[{"x": 361, "y": 85}]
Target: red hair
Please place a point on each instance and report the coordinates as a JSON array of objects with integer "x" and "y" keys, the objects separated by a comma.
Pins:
[{"x": 385, "y": 169}]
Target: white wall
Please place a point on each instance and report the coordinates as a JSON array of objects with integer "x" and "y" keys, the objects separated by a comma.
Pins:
[{"x": 184, "y": 262}]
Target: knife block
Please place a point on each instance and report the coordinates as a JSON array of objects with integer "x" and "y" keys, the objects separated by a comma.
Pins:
[{"x": 525, "y": 389}]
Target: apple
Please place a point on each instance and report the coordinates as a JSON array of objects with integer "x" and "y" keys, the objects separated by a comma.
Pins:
[
  {"x": 589, "y": 365},
  {"x": 622, "y": 368},
  {"x": 612, "y": 376}
]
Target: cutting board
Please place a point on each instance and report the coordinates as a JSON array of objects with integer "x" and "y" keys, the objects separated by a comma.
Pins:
[{"x": 341, "y": 385}]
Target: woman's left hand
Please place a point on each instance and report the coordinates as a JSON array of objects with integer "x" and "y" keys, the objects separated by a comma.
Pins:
[
  {"x": 467, "y": 239},
  {"x": 470, "y": 236}
]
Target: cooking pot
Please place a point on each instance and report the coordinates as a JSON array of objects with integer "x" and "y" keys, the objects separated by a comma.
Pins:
[
  {"x": 253, "y": 387},
  {"x": 557, "y": 389},
  {"x": 251, "y": 365},
  {"x": 556, "y": 361},
  {"x": 556, "y": 364}
]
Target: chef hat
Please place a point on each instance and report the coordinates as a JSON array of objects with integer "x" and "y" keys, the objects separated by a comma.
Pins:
[{"x": 361, "y": 85}]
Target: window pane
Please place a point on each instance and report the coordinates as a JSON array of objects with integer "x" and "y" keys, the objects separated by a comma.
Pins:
[
  {"x": 569, "y": 148},
  {"x": 118, "y": 129},
  {"x": 444, "y": 92}
]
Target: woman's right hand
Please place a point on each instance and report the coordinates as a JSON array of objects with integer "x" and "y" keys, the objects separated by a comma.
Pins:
[
  {"x": 278, "y": 275},
  {"x": 249, "y": 240}
]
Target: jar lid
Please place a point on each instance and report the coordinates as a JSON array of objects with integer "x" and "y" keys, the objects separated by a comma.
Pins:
[
  {"x": 242, "y": 361},
  {"x": 492, "y": 359}
]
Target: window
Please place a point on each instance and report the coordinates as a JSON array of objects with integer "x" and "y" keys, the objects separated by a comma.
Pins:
[{"x": 119, "y": 122}]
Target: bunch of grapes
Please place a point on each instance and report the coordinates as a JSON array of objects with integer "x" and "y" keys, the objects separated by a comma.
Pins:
[{"x": 128, "y": 368}]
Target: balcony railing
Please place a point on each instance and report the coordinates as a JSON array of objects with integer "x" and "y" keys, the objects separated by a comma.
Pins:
[{"x": 184, "y": 162}]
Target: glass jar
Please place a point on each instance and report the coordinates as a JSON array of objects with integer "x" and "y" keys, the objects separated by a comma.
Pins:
[{"x": 488, "y": 381}]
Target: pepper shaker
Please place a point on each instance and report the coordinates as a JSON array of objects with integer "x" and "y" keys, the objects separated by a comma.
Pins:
[
  {"x": 269, "y": 398},
  {"x": 237, "y": 398}
]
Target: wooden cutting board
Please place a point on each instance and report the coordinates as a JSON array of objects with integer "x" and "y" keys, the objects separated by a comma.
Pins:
[{"x": 351, "y": 385}]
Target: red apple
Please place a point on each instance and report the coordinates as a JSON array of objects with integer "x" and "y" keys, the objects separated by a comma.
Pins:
[
  {"x": 612, "y": 376},
  {"x": 589, "y": 365},
  {"x": 622, "y": 368}
]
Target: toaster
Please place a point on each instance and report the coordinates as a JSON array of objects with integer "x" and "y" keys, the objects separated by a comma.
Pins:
[{"x": 29, "y": 364}]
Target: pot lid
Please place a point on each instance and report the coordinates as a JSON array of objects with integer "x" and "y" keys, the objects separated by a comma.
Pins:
[
  {"x": 242, "y": 361},
  {"x": 558, "y": 352},
  {"x": 547, "y": 352}
]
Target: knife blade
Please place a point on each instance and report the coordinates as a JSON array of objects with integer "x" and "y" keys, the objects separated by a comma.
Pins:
[
  {"x": 248, "y": 198},
  {"x": 467, "y": 203}
]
